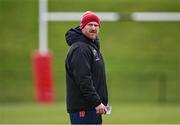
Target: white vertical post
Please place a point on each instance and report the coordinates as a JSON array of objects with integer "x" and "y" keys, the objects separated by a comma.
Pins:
[{"x": 43, "y": 32}]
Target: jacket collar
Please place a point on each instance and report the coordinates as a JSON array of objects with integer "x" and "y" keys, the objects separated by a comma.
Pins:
[{"x": 75, "y": 35}]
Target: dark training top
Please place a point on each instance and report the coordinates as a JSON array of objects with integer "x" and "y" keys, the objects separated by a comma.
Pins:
[{"x": 85, "y": 73}]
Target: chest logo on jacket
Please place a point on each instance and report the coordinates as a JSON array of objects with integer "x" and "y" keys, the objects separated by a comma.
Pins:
[{"x": 96, "y": 55}]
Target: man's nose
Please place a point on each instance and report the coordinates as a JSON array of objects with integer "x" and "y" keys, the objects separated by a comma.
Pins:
[{"x": 93, "y": 27}]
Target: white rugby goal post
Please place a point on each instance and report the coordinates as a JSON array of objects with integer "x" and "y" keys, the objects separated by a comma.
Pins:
[{"x": 45, "y": 16}]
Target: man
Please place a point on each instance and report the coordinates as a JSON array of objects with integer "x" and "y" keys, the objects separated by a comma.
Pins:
[{"x": 87, "y": 95}]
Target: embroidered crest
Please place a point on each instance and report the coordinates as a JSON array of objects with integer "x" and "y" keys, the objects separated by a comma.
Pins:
[
  {"x": 82, "y": 114},
  {"x": 94, "y": 52},
  {"x": 96, "y": 55}
]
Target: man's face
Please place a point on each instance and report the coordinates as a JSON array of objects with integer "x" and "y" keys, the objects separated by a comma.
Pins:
[{"x": 91, "y": 30}]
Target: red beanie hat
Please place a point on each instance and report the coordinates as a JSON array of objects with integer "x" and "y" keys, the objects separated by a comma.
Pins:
[{"x": 87, "y": 17}]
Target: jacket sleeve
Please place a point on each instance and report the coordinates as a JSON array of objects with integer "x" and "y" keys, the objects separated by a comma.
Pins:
[{"x": 81, "y": 66}]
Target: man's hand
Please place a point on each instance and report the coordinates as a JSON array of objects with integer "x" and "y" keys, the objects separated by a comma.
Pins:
[{"x": 101, "y": 109}]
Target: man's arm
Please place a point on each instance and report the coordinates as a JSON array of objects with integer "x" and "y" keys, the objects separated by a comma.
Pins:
[{"x": 81, "y": 66}]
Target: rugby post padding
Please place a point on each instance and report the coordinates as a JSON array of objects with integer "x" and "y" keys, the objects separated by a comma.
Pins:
[{"x": 43, "y": 77}]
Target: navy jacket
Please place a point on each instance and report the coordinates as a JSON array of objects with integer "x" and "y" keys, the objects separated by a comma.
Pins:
[{"x": 85, "y": 73}]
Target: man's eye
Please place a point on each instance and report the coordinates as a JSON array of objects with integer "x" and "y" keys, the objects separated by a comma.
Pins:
[
  {"x": 96, "y": 25},
  {"x": 90, "y": 24}
]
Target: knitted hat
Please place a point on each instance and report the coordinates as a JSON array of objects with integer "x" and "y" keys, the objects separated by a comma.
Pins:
[{"x": 87, "y": 17}]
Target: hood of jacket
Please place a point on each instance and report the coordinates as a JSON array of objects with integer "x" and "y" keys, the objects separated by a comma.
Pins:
[{"x": 75, "y": 35}]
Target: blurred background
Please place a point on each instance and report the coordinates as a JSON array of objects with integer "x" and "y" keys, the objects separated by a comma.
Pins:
[{"x": 142, "y": 61}]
